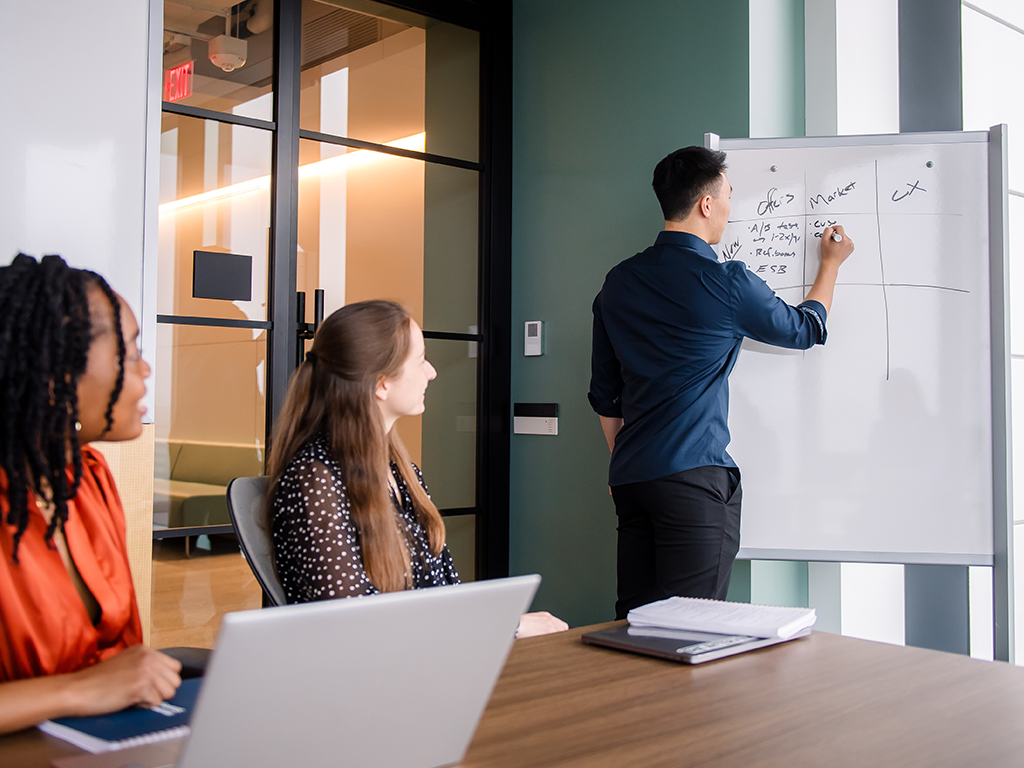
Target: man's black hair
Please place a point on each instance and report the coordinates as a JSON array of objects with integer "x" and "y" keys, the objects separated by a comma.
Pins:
[
  {"x": 684, "y": 177},
  {"x": 45, "y": 335}
]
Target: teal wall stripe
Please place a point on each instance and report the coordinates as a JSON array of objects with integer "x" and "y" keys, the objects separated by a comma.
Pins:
[{"x": 601, "y": 91}]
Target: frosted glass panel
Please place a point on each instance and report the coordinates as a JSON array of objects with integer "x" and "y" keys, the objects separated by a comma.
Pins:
[
  {"x": 210, "y": 420},
  {"x": 220, "y": 58},
  {"x": 215, "y": 197},
  {"x": 1011, "y": 11},
  {"x": 993, "y": 67},
  {"x": 1017, "y": 374},
  {"x": 449, "y": 424},
  {"x": 377, "y": 226},
  {"x": 461, "y": 540},
  {"x": 1017, "y": 275},
  {"x": 388, "y": 76}
]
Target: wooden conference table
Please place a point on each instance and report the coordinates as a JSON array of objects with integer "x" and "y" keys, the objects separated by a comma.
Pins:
[{"x": 822, "y": 700}]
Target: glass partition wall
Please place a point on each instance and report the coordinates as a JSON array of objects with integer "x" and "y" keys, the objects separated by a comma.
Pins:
[{"x": 343, "y": 147}]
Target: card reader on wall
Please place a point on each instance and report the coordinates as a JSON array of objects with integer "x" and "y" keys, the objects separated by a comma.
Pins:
[{"x": 535, "y": 419}]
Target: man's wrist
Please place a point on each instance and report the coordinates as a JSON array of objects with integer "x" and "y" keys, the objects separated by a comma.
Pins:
[{"x": 829, "y": 268}]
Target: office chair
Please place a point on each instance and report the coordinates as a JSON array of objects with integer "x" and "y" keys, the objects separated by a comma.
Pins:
[
  {"x": 245, "y": 505},
  {"x": 193, "y": 660}
]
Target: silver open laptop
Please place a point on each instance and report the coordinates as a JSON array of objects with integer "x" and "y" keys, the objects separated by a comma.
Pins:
[{"x": 391, "y": 680}]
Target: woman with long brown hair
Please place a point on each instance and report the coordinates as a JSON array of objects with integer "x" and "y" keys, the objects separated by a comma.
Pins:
[
  {"x": 350, "y": 512},
  {"x": 70, "y": 373}
]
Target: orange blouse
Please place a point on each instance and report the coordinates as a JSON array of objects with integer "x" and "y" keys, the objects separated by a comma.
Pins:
[{"x": 46, "y": 628}]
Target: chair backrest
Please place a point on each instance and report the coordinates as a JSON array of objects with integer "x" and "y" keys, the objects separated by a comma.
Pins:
[{"x": 245, "y": 503}]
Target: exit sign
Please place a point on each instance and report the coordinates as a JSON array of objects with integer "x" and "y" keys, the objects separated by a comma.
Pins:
[{"x": 178, "y": 82}]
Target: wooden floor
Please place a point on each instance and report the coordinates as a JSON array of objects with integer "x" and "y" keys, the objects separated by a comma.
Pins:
[{"x": 191, "y": 593}]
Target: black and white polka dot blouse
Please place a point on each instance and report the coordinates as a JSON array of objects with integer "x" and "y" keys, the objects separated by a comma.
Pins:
[{"x": 316, "y": 543}]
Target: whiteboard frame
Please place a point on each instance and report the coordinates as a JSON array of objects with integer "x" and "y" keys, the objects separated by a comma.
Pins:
[{"x": 1001, "y": 559}]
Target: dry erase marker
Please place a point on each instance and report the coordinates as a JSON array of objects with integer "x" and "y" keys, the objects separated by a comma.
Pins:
[{"x": 836, "y": 237}]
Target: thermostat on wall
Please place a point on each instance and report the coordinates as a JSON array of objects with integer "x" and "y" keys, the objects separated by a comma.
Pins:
[
  {"x": 535, "y": 419},
  {"x": 534, "y": 338}
]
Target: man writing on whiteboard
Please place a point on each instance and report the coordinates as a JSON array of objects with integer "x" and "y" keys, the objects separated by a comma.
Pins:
[{"x": 668, "y": 325}]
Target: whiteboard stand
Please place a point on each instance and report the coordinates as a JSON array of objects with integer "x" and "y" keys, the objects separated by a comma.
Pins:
[
  {"x": 891, "y": 444},
  {"x": 1002, "y": 469}
]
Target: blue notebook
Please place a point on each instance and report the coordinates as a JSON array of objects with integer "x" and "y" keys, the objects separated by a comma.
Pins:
[{"x": 130, "y": 727}]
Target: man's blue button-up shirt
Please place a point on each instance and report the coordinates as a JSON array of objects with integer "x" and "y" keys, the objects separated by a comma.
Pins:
[{"x": 668, "y": 325}]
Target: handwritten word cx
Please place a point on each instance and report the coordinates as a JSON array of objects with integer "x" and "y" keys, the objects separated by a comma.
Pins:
[{"x": 913, "y": 188}]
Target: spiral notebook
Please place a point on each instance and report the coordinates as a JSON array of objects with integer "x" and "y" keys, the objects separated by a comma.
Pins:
[{"x": 130, "y": 727}]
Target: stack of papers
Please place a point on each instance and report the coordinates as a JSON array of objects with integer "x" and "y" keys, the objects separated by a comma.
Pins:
[{"x": 718, "y": 616}]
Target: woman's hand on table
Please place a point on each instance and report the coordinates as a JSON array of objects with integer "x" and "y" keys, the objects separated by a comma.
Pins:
[
  {"x": 137, "y": 675},
  {"x": 540, "y": 623}
]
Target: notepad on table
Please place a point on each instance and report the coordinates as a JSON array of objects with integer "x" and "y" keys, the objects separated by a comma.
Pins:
[
  {"x": 130, "y": 727},
  {"x": 721, "y": 617}
]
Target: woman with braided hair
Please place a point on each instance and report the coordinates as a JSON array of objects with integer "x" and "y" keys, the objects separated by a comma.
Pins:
[
  {"x": 349, "y": 511},
  {"x": 70, "y": 374}
]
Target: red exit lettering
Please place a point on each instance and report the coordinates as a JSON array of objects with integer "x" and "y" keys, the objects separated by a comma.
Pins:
[{"x": 178, "y": 82}]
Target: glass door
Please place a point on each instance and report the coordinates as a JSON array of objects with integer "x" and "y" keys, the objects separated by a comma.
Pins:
[
  {"x": 388, "y": 207},
  {"x": 344, "y": 154},
  {"x": 216, "y": 154}
]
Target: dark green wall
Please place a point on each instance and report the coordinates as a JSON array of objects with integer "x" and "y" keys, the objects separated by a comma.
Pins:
[{"x": 601, "y": 91}]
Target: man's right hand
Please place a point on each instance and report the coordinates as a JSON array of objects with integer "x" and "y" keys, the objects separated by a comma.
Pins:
[{"x": 833, "y": 253}]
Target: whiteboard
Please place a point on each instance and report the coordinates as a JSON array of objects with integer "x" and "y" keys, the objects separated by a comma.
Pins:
[{"x": 877, "y": 446}]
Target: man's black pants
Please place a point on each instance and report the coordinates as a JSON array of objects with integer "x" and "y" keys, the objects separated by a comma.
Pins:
[{"x": 678, "y": 535}]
